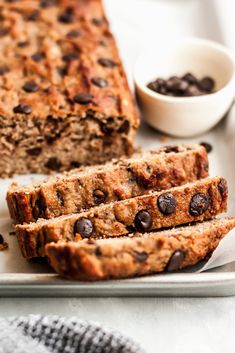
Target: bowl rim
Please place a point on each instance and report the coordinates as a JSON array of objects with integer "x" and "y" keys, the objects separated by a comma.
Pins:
[{"x": 191, "y": 41}]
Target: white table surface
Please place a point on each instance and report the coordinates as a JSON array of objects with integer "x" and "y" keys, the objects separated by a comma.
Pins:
[{"x": 166, "y": 325}]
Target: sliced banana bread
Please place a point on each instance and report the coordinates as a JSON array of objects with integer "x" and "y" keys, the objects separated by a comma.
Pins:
[
  {"x": 191, "y": 202},
  {"x": 121, "y": 179},
  {"x": 139, "y": 254}
]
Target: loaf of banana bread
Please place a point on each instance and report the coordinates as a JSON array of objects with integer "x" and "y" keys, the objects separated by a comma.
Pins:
[
  {"x": 64, "y": 98},
  {"x": 197, "y": 201},
  {"x": 139, "y": 254},
  {"x": 121, "y": 179}
]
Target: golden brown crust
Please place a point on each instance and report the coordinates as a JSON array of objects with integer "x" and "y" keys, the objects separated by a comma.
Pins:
[
  {"x": 90, "y": 186},
  {"x": 125, "y": 257},
  {"x": 62, "y": 81},
  {"x": 197, "y": 201}
]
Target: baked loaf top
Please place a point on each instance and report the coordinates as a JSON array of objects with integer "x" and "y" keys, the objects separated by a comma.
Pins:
[
  {"x": 121, "y": 179},
  {"x": 141, "y": 254},
  {"x": 58, "y": 58},
  {"x": 197, "y": 201}
]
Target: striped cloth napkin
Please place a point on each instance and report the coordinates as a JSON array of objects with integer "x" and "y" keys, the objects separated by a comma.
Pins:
[{"x": 47, "y": 334}]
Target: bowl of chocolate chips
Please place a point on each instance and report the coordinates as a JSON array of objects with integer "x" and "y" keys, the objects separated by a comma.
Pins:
[{"x": 185, "y": 88}]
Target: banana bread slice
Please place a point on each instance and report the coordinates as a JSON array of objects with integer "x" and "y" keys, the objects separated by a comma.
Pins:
[
  {"x": 140, "y": 254},
  {"x": 121, "y": 179},
  {"x": 64, "y": 99},
  {"x": 197, "y": 201}
]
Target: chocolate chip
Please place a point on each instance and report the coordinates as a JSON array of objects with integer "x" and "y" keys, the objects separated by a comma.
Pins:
[
  {"x": 73, "y": 34},
  {"x": 207, "y": 84},
  {"x": 1, "y": 239},
  {"x": 30, "y": 86},
  {"x": 177, "y": 85},
  {"x": 199, "y": 204},
  {"x": 125, "y": 127},
  {"x": 33, "y": 16},
  {"x": 166, "y": 203},
  {"x": 98, "y": 251},
  {"x": 39, "y": 207},
  {"x": 140, "y": 256},
  {"x": 207, "y": 146},
  {"x": 23, "y": 44},
  {"x": 102, "y": 43},
  {"x": 153, "y": 86},
  {"x": 99, "y": 82},
  {"x": 84, "y": 227},
  {"x": 158, "y": 86},
  {"x": 223, "y": 188},
  {"x": 107, "y": 62},
  {"x": 68, "y": 57},
  {"x": 62, "y": 71},
  {"x": 99, "y": 196},
  {"x": 130, "y": 229},
  {"x": 83, "y": 98},
  {"x": 67, "y": 16},
  {"x": 175, "y": 261},
  {"x": 60, "y": 197},
  {"x": 4, "y": 32},
  {"x": 107, "y": 126},
  {"x": 193, "y": 91},
  {"x": 35, "y": 151},
  {"x": 53, "y": 163},
  {"x": 75, "y": 164},
  {"x": 143, "y": 221},
  {"x": 190, "y": 78},
  {"x": 4, "y": 70},
  {"x": 170, "y": 149},
  {"x": 22, "y": 109},
  {"x": 48, "y": 3},
  {"x": 97, "y": 21},
  {"x": 38, "y": 57}
]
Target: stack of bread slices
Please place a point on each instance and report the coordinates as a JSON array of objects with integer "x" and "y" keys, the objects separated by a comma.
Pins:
[{"x": 150, "y": 213}]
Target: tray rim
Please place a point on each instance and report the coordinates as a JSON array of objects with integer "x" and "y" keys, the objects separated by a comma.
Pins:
[{"x": 213, "y": 284}]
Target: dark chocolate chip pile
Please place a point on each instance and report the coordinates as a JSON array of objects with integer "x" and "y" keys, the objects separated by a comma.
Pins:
[{"x": 185, "y": 86}]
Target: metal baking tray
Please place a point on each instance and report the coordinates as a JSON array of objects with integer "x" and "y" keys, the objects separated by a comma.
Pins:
[{"x": 155, "y": 21}]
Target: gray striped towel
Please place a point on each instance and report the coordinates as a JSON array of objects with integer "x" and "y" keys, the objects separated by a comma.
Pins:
[{"x": 47, "y": 334}]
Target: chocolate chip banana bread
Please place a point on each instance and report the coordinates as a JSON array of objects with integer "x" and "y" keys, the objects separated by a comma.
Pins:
[
  {"x": 121, "y": 179},
  {"x": 64, "y": 98},
  {"x": 140, "y": 254},
  {"x": 197, "y": 201}
]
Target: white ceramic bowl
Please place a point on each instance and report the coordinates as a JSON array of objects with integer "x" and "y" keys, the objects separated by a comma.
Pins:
[{"x": 185, "y": 116}]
